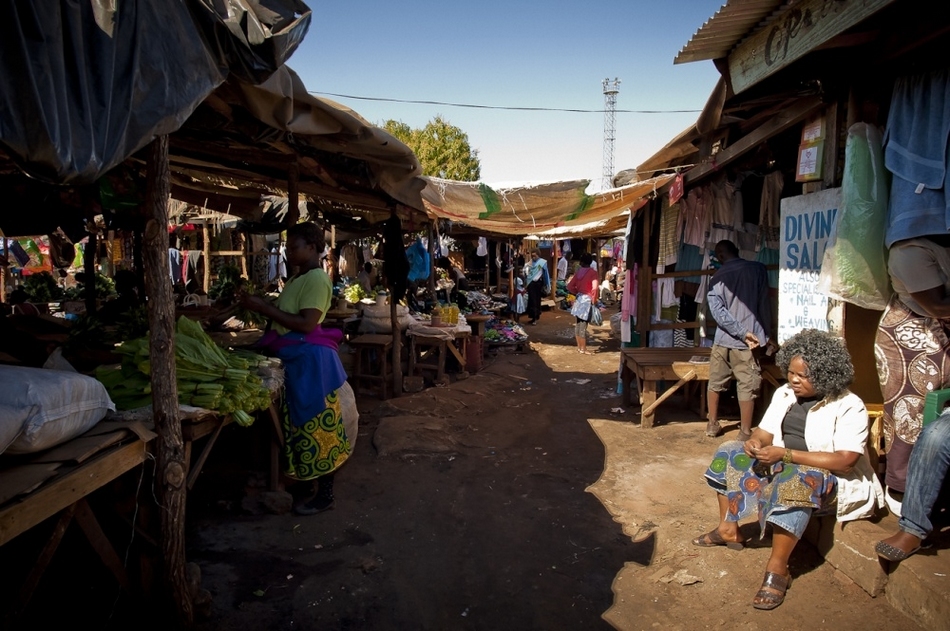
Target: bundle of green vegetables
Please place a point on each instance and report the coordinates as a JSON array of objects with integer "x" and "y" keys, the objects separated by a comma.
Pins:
[
  {"x": 208, "y": 376},
  {"x": 42, "y": 287}
]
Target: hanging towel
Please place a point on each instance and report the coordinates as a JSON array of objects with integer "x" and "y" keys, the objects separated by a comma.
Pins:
[{"x": 915, "y": 152}]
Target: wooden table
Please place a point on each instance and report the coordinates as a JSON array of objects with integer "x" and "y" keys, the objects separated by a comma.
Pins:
[
  {"x": 476, "y": 320},
  {"x": 649, "y": 365},
  {"x": 58, "y": 481}
]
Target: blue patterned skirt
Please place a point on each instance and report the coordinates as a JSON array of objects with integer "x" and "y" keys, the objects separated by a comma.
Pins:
[{"x": 784, "y": 490}]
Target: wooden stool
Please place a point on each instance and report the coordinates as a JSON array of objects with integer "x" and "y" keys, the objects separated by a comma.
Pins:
[
  {"x": 372, "y": 361},
  {"x": 421, "y": 347}
]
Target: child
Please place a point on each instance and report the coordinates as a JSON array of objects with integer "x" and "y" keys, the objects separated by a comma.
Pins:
[{"x": 519, "y": 303}]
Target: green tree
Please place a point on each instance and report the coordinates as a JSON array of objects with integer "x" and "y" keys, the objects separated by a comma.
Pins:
[{"x": 442, "y": 148}]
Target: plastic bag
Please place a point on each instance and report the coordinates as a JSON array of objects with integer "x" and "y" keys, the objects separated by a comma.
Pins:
[
  {"x": 854, "y": 267},
  {"x": 596, "y": 318},
  {"x": 582, "y": 307}
]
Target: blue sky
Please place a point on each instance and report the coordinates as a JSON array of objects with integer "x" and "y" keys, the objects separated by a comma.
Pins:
[{"x": 542, "y": 53}]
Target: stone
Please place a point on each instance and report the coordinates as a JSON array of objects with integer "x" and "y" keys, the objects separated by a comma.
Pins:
[
  {"x": 277, "y": 502},
  {"x": 919, "y": 587},
  {"x": 849, "y": 548}
]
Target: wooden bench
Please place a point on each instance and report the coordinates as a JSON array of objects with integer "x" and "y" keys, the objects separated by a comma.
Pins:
[{"x": 650, "y": 365}]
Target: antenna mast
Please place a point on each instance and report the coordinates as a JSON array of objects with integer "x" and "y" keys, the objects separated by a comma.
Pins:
[{"x": 611, "y": 89}]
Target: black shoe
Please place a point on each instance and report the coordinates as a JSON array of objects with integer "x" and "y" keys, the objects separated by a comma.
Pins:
[
  {"x": 320, "y": 502},
  {"x": 316, "y": 505}
]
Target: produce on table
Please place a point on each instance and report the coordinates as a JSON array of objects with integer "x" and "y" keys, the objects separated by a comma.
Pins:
[
  {"x": 104, "y": 287},
  {"x": 504, "y": 332},
  {"x": 208, "y": 376},
  {"x": 42, "y": 287},
  {"x": 354, "y": 293}
]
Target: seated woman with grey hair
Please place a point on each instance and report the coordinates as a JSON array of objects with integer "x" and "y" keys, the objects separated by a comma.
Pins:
[{"x": 808, "y": 455}]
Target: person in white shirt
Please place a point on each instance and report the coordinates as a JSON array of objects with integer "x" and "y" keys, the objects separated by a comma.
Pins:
[
  {"x": 808, "y": 454},
  {"x": 562, "y": 268}
]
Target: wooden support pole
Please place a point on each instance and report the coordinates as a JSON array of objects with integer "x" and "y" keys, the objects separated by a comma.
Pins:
[
  {"x": 89, "y": 255},
  {"x": 206, "y": 237},
  {"x": 666, "y": 395},
  {"x": 511, "y": 280},
  {"x": 497, "y": 268},
  {"x": 293, "y": 197},
  {"x": 397, "y": 347},
  {"x": 430, "y": 235},
  {"x": 170, "y": 466},
  {"x": 42, "y": 562},
  {"x": 4, "y": 270},
  {"x": 645, "y": 278}
]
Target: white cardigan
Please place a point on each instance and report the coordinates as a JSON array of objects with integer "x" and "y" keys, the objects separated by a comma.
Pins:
[{"x": 839, "y": 424}]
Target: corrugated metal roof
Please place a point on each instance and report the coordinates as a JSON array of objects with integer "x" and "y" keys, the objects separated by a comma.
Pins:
[{"x": 731, "y": 23}]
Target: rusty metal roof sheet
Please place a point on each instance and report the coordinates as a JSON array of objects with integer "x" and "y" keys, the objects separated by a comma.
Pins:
[{"x": 731, "y": 23}]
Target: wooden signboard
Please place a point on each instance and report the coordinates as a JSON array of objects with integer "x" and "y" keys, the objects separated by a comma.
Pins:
[{"x": 796, "y": 32}]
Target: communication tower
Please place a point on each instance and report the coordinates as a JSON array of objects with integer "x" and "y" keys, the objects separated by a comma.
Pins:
[{"x": 611, "y": 89}]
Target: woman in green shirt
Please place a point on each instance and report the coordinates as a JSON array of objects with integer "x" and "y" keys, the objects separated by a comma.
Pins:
[{"x": 315, "y": 442}]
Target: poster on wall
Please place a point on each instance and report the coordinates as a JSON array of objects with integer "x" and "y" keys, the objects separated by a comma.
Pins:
[{"x": 807, "y": 222}]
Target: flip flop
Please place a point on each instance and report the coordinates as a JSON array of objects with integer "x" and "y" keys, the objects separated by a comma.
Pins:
[
  {"x": 713, "y": 539},
  {"x": 771, "y": 600},
  {"x": 893, "y": 553}
]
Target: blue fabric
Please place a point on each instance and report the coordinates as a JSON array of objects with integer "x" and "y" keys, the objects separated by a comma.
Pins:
[
  {"x": 311, "y": 372},
  {"x": 911, "y": 214},
  {"x": 926, "y": 471},
  {"x": 769, "y": 256},
  {"x": 916, "y": 153},
  {"x": 418, "y": 261},
  {"x": 689, "y": 258}
]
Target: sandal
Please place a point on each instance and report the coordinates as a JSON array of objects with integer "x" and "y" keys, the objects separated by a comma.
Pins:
[
  {"x": 893, "y": 553},
  {"x": 712, "y": 539},
  {"x": 771, "y": 600},
  {"x": 713, "y": 429}
]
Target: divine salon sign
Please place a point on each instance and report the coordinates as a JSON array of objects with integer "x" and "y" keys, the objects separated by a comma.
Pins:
[{"x": 807, "y": 222}]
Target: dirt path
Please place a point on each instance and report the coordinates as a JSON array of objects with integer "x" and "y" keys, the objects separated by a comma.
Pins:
[{"x": 514, "y": 499}]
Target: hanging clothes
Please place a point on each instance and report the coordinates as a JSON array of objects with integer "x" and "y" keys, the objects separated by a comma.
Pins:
[
  {"x": 915, "y": 152},
  {"x": 628, "y": 303},
  {"x": 726, "y": 210},
  {"x": 482, "y": 249},
  {"x": 174, "y": 264},
  {"x": 349, "y": 261},
  {"x": 695, "y": 217},
  {"x": 669, "y": 236}
]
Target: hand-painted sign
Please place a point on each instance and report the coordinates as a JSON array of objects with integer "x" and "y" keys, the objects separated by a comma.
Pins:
[
  {"x": 807, "y": 221},
  {"x": 800, "y": 29}
]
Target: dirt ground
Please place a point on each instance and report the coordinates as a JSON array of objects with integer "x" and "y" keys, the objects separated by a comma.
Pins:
[{"x": 515, "y": 499}]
